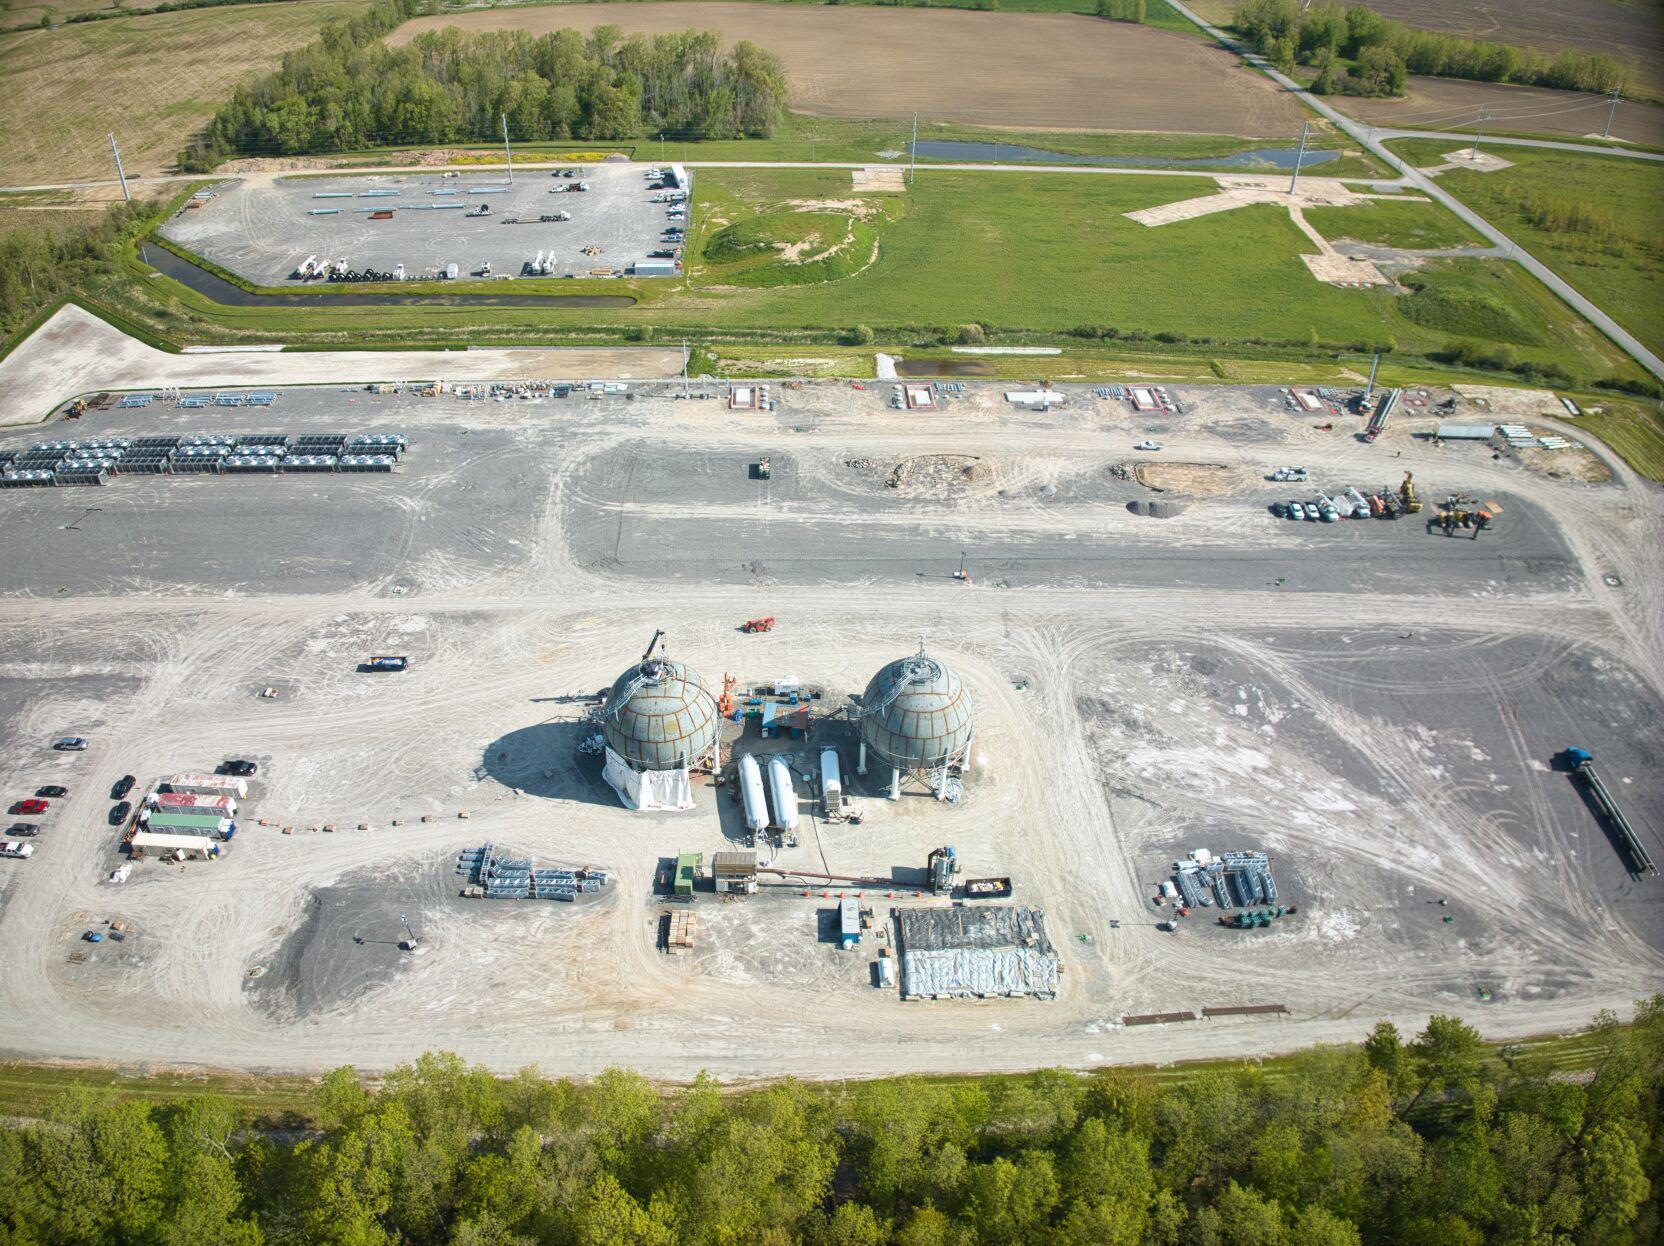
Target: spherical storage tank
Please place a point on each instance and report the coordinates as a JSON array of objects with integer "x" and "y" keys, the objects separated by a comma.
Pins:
[
  {"x": 916, "y": 714},
  {"x": 660, "y": 716}
]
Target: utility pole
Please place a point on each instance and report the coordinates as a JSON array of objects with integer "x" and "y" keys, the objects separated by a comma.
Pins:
[
  {"x": 1299, "y": 156},
  {"x": 1484, "y": 116},
  {"x": 686, "y": 391},
  {"x": 1372, "y": 367},
  {"x": 120, "y": 173},
  {"x": 913, "y": 150},
  {"x": 506, "y": 151},
  {"x": 1610, "y": 113}
]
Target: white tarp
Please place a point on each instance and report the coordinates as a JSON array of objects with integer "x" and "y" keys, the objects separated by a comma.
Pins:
[{"x": 662, "y": 790}]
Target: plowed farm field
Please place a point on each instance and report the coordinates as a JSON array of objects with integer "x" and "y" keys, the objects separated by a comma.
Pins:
[
  {"x": 1034, "y": 71},
  {"x": 1454, "y": 104}
]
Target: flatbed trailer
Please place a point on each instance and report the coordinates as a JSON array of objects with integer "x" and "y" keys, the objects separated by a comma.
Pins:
[{"x": 1582, "y": 765}]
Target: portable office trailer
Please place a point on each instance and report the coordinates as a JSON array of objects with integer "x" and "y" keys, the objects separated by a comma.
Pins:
[
  {"x": 735, "y": 872},
  {"x": 849, "y": 923},
  {"x": 212, "y": 784},
  {"x": 188, "y": 844},
  {"x": 225, "y": 806},
  {"x": 187, "y": 822}
]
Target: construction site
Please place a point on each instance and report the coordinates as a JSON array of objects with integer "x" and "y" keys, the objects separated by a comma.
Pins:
[{"x": 815, "y": 728}]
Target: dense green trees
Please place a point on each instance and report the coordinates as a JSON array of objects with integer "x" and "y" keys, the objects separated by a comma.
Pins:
[
  {"x": 1394, "y": 1143},
  {"x": 347, "y": 90},
  {"x": 39, "y": 266},
  {"x": 1384, "y": 51}
]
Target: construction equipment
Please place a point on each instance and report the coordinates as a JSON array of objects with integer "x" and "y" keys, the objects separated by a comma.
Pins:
[
  {"x": 1378, "y": 421},
  {"x": 725, "y": 703},
  {"x": 942, "y": 865},
  {"x": 762, "y": 470},
  {"x": 765, "y": 624},
  {"x": 1581, "y": 763},
  {"x": 653, "y": 644},
  {"x": 1407, "y": 494}
]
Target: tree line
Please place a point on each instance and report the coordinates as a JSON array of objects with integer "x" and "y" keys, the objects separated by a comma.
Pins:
[
  {"x": 41, "y": 265},
  {"x": 347, "y": 90},
  {"x": 1427, "y": 1141},
  {"x": 1381, "y": 52}
]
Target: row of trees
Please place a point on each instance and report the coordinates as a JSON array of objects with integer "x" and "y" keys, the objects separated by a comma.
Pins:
[
  {"x": 348, "y": 90},
  {"x": 1384, "y": 51},
  {"x": 1428, "y": 1141}
]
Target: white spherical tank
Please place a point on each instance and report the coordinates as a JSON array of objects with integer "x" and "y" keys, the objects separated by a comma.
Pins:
[
  {"x": 660, "y": 716},
  {"x": 916, "y": 714}
]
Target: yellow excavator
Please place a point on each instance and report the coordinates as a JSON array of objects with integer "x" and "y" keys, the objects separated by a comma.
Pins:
[{"x": 1407, "y": 495}]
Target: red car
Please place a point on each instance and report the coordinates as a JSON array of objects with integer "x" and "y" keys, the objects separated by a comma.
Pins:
[{"x": 32, "y": 805}]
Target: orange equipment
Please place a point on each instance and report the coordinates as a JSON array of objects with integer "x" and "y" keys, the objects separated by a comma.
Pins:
[
  {"x": 758, "y": 625},
  {"x": 725, "y": 704}
]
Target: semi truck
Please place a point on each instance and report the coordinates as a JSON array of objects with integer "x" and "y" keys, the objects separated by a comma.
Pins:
[{"x": 1581, "y": 763}]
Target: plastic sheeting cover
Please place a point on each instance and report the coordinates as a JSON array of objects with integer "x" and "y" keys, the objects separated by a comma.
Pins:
[
  {"x": 963, "y": 953},
  {"x": 661, "y": 790}
]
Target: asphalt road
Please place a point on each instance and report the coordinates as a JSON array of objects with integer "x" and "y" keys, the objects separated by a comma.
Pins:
[{"x": 1366, "y": 135}]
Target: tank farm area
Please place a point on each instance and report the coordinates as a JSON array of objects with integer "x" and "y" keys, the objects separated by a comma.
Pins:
[{"x": 816, "y": 727}]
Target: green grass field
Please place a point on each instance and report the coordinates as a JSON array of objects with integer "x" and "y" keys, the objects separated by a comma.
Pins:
[
  {"x": 1597, "y": 221},
  {"x": 835, "y": 139},
  {"x": 1416, "y": 223},
  {"x": 1031, "y": 256},
  {"x": 1635, "y": 430}
]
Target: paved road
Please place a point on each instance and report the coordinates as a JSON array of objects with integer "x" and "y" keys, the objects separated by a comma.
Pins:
[
  {"x": 1114, "y": 170},
  {"x": 1388, "y": 133},
  {"x": 1366, "y": 135}
]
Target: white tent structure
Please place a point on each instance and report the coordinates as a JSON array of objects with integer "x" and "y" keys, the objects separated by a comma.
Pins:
[{"x": 652, "y": 790}]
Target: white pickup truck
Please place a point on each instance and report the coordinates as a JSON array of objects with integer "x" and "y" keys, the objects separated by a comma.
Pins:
[{"x": 13, "y": 848}]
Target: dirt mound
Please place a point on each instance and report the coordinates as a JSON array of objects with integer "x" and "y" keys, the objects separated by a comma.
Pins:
[
  {"x": 938, "y": 473},
  {"x": 1159, "y": 508},
  {"x": 1196, "y": 479}
]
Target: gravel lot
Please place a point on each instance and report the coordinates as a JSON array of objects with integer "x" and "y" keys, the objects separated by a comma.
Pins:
[
  {"x": 1374, "y": 704},
  {"x": 260, "y": 228}
]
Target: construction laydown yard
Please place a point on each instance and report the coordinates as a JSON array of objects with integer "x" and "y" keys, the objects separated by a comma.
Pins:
[
  {"x": 1375, "y": 705},
  {"x": 1039, "y": 71}
]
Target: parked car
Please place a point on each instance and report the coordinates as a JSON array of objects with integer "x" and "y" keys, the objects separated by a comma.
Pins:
[
  {"x": 11, "y": 849},
  {"x": 1296, "y": 511},
  {"x": 1279, "y": 509},
  {"x": 1312, "y": 510},
  {"x": 239, "y": 766},
  {"x": 29, "y": 806},
  {"x": 24, "y": 830},
  {"x": 122, "y": 786},
  {"x": 53, "y": 791},
  {"x": 387, "y": 664},
  {"x": 71, "y": 744},
  {"x": 1148, "y": 445},
  {"x": 118, "y": 813}
]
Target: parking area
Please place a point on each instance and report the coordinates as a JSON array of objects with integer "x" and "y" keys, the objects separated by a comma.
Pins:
[{"x": 416, "y": 226}]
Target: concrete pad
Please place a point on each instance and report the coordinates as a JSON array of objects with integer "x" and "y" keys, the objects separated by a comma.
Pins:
[{"x": 880, "y": 178}]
